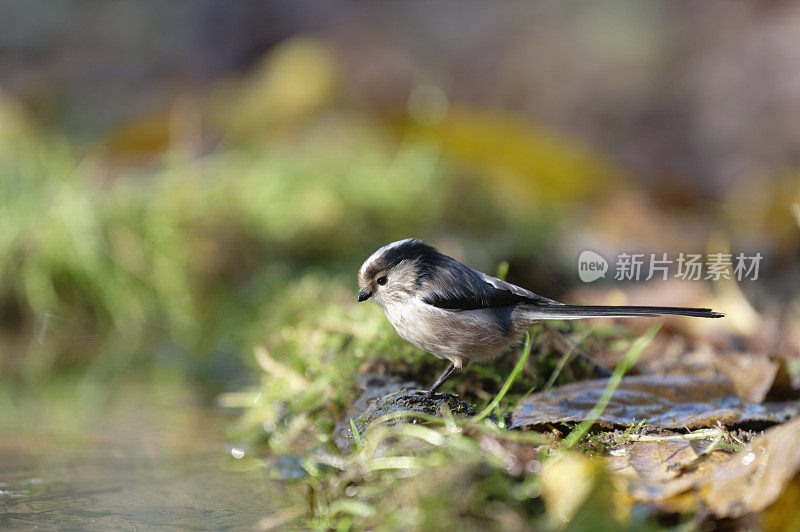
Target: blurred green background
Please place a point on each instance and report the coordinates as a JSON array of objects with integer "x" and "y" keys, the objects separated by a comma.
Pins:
[
  {"x": 187, "y": 189},
  {"x": 180, "y": 181}
]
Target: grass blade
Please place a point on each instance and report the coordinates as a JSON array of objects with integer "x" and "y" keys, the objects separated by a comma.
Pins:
[
  {"x": 628, "y": 360},
  {"x": 356, "y": 436},
  {"x": 509, "y": 381}
]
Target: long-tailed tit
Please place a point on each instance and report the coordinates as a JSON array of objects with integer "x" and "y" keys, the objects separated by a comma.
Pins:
[{"x": 463, "y": 315}]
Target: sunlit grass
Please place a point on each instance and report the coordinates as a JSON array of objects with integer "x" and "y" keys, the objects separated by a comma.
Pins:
[
  {"x": 403, "y": 469},
  {"x": 179, "y": 262}
]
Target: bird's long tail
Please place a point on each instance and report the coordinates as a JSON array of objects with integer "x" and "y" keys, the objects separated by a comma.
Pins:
[{"x": 576, "y": 312}]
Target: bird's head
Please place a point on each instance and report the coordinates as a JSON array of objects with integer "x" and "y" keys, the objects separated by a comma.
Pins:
[{"x": 392, "y": 273}]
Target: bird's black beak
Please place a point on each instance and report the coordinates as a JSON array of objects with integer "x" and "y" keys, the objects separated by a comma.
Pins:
[{"x": 364, "y": 295}]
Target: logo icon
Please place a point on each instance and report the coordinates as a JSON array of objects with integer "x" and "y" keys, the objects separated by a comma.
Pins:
[{"x": 591, "y": 266}]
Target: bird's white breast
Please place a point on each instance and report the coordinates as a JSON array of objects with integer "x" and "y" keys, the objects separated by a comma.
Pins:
[{"x": 459, "y": 336}]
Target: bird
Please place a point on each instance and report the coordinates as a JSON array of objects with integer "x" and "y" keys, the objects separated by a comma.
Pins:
[{"x": 463, "y": 315}]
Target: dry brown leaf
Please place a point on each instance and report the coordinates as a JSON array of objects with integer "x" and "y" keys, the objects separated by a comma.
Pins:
[
  {"x": 656, "y": 470},
  {"x": 755, "y": 477},
  {"x": 684, "y": 476},
  {"x": 672, "y": 401}
]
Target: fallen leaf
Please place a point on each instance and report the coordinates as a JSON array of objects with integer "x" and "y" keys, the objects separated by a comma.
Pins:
[
  {"x": 755, "y": 477},
  {"x": 656, "y": 470},
  {"x": 752, "y": 375},
  {"x": 683, "y": 476},
  {"x": 671, "y": 401}
]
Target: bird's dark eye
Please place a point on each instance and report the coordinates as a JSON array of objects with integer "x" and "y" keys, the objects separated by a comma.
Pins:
[{"x": 382, "y": 280}]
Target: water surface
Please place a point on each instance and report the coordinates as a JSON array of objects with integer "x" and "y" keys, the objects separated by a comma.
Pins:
[{"x": 140, "y": 462}]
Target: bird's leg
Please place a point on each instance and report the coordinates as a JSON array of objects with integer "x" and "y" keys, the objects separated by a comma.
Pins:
[{"x": 446, "y": 375}]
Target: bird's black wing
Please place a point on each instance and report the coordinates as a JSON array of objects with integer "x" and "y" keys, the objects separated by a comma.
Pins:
[{"x": 458, "y": 287}]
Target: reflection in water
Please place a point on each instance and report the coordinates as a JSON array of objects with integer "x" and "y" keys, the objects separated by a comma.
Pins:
[{"x": 147, "y": 466}]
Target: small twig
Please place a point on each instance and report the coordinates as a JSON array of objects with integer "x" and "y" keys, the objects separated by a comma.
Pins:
[
  {"x": 702, "y": 434},
  {"x": 560, "y": 342},
  {"x": 563, "y": 361}
]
